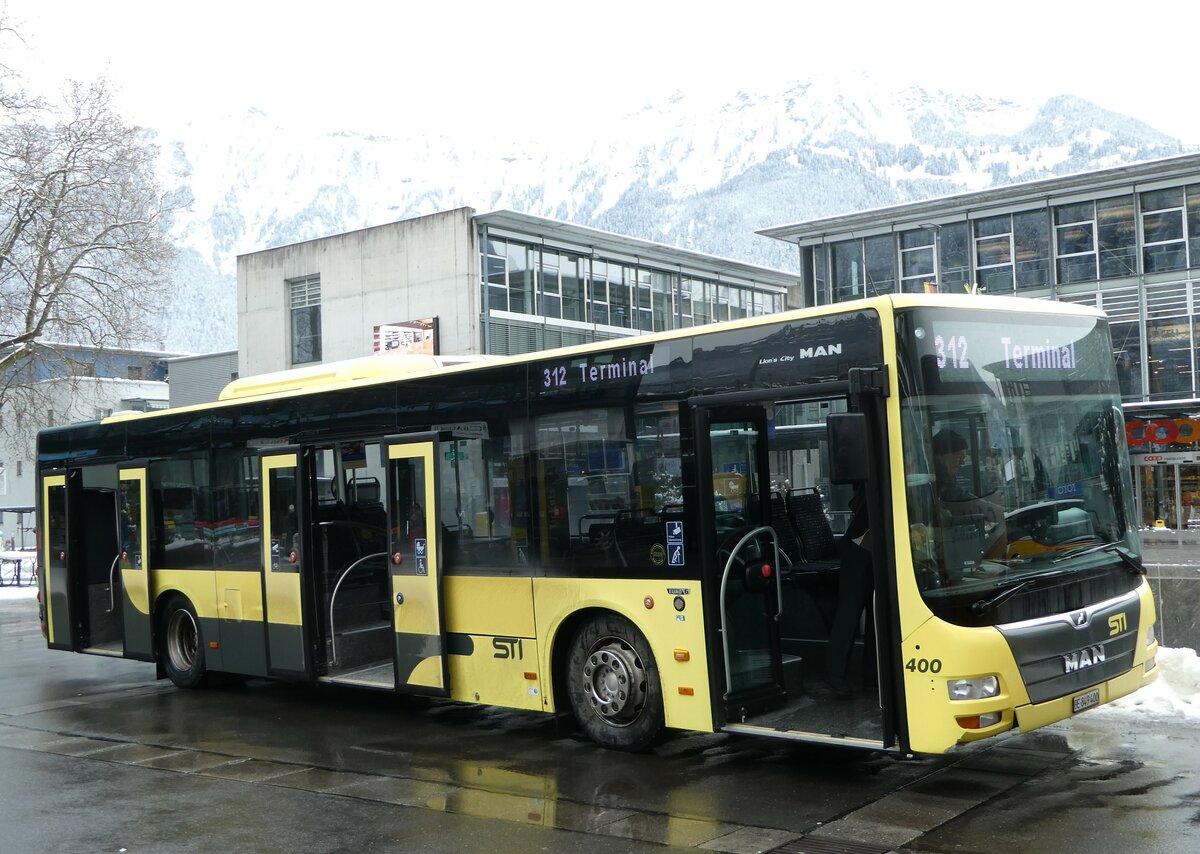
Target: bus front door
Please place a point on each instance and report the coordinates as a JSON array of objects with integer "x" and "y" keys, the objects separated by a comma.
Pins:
[
  {"x": 742, "y": 552},
  {"x": 415, "y": 558}
]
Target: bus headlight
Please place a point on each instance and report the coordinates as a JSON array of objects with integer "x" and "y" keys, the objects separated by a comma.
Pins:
[
  {"x": 1150, "y": 638},
  {"x": 976, "y": 688}
]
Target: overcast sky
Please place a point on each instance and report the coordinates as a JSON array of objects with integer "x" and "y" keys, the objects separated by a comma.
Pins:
[{"x": 379, "y": 66}]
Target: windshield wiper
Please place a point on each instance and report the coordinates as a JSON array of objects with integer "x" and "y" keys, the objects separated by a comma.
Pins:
[
  {"x": 1001, "y": 597},
  {"x": 1116, "y": 547},
  {"x": 1008, "y": 592}
]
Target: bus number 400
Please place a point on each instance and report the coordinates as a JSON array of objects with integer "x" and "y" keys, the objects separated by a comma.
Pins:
[{"x": 924, "y": 665}]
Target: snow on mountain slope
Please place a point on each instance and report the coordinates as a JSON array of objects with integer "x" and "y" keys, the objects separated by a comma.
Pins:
[{"x": 698, "y": 171}]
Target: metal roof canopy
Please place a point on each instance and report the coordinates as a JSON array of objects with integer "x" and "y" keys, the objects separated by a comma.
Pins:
[{"x": 961, "y": 205}]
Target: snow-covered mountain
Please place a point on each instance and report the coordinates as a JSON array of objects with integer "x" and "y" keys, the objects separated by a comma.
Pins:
[{"x": 695, "y": 172}]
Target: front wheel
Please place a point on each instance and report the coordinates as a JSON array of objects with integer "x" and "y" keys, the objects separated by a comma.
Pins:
[
  {"x": 182, "y": 644},
  {"x": 614, "y": 686}
]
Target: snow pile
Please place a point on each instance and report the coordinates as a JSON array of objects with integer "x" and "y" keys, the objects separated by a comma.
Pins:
[
  {"x": 1176, "y": 692},
  {"x": 10, "y": 592}
]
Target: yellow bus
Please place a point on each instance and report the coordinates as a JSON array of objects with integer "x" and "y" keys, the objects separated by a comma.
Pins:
[{"x": 898, "y": 524}]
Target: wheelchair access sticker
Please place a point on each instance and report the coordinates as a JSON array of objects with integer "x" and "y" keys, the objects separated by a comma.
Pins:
[
  {"x": 419, "y": 546},
  {"x": 675, "y": 544}
]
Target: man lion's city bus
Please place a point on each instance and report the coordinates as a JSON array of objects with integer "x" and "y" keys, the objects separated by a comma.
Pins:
[{"x": 900, "y": 524}]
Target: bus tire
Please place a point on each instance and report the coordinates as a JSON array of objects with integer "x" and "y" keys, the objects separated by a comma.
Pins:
[
  {"x": 182, "y": 644},
  {"x": 613, "y": 684}
]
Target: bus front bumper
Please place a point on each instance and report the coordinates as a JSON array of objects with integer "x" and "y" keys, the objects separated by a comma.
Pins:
[{"x": 1040, "y": 714}]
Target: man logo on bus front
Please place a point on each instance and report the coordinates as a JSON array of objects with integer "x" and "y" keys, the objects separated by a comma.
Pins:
[{"x": 1079, "y": 619}]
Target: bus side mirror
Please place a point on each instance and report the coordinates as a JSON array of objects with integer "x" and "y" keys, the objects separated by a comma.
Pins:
[{"x": 847, "y": 447}]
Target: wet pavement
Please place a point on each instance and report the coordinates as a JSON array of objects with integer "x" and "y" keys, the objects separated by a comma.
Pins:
[{"x": 97, "y": 755}]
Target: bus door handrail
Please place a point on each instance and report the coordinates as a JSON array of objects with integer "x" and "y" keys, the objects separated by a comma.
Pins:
[
  {"x": 112, "y": 593},
  {"x": 725, "y": 579},
  {"x": 333, "y": 600}
]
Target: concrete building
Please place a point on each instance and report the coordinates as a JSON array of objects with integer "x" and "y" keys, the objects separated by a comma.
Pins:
[
  {"x": 458, "y": 283},
  {"x": 200, "y": 378},
  {"x": 78, "y": 384}
]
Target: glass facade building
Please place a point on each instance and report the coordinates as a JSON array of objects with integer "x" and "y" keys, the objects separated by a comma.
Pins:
[
  {"x": 1125, "y": 240},
  {"x": 559, "y": 285}
]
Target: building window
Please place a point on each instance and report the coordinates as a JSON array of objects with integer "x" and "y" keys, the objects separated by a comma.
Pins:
[
  {"x": 994, "y": 254},
  {"x": 645, "y": 305},
  {"x": 572, "y": 269},
  {"x": 550, "y": 285},
  {"x": 662, "y": 287},
  {"x": 598, "y": 294},
  {"x": 917, "y": 268},
  {"x": 954, "y": 257},
  {"x": 1193, "y": 218},
  {"x": 495, "y": 274},
  {"x": 1127, "y": 353},
  {"x": 820, "y": 292},
  {"x": 136, "y": 372},
  {"x": 620, "y": 309},
  {"x": 1075, "y": 238},
  {"x": 1163, "y": 244},
  {"x": 1169, "y": 357},
  {"x": 1013, "y": 250},
  {"x": 305, "y": 303},
  {"x": 864, "y": 268},
  {"x": 1116, "y": 236},
  {"x": 690, "y": 294}
]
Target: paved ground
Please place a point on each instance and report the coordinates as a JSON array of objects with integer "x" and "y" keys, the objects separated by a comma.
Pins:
[{"x": 97, "y": 755}]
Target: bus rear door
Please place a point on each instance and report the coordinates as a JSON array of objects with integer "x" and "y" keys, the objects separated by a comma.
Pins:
[{"x": 95, "y": 559}]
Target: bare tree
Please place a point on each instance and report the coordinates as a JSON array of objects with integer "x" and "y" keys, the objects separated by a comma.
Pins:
[{"x": 84, "y": 246}]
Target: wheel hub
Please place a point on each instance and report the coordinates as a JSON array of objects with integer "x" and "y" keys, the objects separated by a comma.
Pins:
[
  {"x": 614, "y": 682},
  {"x": 181, "y": 639}
]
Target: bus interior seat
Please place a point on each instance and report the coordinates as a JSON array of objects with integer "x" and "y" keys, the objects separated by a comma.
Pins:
[
  {"x": 789, "y": 540},
  {"x": 808, "y": 518},
  {"x": 363, "y": 491}
]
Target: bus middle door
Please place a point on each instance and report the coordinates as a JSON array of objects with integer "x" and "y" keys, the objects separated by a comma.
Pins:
[
  {"x": 741, "y": 552},
  {"x": 132, "y": 513},
  {"x": 283, "y": 556},
  {"x": 415, "y": 557}
]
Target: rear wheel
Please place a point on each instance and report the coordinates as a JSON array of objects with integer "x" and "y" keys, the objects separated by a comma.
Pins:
[
  {"x": 182, "y": 644},
  {"x": 614, "y": 686}
]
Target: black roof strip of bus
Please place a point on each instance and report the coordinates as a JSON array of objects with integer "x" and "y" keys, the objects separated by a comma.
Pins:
[{"x": 836, "y": 388}]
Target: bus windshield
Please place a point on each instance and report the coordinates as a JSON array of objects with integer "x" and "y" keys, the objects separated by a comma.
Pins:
[{"x": 1016, "y": 467}]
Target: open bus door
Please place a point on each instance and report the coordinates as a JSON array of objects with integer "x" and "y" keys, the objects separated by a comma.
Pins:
[
  {"x": 94, "y": 555},
  {"x": 743, "y": 551},
  {"x": 54, "y": 561},
  {"x": 415, "y": 558},
  {"x": 132, "y": 509},
  {"x": 788, "y": 598},
  {"x": 283, "y": 558}
]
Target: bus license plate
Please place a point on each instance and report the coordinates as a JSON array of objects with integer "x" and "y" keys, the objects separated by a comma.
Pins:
[{"x": 1085, "y": 701}]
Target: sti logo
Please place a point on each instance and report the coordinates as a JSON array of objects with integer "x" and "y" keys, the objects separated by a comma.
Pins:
[{"x": 1117, "y": 624}]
